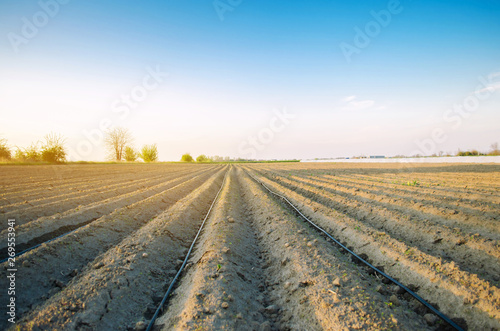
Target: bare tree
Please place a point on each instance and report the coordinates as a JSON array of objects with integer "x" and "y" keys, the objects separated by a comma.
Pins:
[
  {"x": 494, "y": 149},
  {"x": 116, "y": 140}
]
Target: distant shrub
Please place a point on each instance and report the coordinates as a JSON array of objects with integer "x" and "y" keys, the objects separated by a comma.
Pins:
[
  {"x": 19, "y": 154},
  {"x": 130, "y": 154},
  {"x": 472, "y": 152},
  {"x": 187, "y": 158},
  {"x": 54, "y": 154},
  {"x": 203, "y": 158},
  {"x": 149, "y": 153},
  {"x": 53, "y": 149},
  {"x": 5, "y": 153},
  {"x": 30, "y": 154}
]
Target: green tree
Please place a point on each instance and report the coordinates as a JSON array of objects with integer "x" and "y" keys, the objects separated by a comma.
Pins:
[
  {"x": 130, "y": 154},
  {"x": 20, "y": 155},
  {"x": 149, "y": 153},
  {"x": 53, "y": 149},
  {"x": 5, "y": 153},
  {"x": 29, "y": 154},
  {"x": 203, "y": 158},
  {"x": 187, "y": 158}
]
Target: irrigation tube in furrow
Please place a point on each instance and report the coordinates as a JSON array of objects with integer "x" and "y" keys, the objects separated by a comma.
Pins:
[
  {"x": 171, "y": 287},
  {"x": 416, "y": 296}
]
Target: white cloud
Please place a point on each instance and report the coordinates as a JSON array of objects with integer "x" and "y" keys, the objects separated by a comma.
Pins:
[
  {"x": 495, "y": 74},
  {"x": 352, "y": 103},
  {"x": 362, "y": 104},
  {"x": 349, "y": 98},
  {"x": 491, "y": 88}
]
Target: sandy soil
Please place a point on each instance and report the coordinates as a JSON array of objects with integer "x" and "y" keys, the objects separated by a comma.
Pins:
[{"x": 257, "y": 265}]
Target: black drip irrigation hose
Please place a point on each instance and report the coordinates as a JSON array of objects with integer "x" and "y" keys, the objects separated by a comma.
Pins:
[
  {"x": 171, "y": 287},
  {"x": 416, "y": 296}
]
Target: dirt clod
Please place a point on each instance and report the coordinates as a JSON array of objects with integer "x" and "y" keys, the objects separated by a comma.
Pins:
[
  {"x": 305, "y": 283},
  {"x": 140, "y": 326},
  {"x": 398, "y": 290},
  {"x": 266, "y": 326},
  {"x": 272, "y": 309},
  {"x": 395, "y": 301},
  {"x": 99, "y": 265},
  {"x": 58, "y": 283},
  {"x": 430, "y": 319},
  {"x": 437, "y": 240},
  {"x": 381, "y": 289}
]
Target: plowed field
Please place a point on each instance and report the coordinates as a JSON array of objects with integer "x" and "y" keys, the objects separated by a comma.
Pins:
[{"x": 111, "y": 238}]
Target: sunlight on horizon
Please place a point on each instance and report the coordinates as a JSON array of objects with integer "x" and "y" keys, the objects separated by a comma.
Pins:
[{"x": 179, "y": 76}]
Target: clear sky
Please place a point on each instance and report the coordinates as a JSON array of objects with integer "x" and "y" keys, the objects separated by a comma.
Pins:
[{"x": 264, "y": 79}]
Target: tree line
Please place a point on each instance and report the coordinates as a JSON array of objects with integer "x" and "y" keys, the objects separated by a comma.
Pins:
[
  {"x": 118, "y": 143},
  {"x": 50, "y": 149}
]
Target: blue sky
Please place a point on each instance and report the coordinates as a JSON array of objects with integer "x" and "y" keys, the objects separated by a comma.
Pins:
[{"x": 223, "y": 82}]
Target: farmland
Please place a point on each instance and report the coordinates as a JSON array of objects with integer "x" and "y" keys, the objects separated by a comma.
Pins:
[{"x": 113, "y": 236}]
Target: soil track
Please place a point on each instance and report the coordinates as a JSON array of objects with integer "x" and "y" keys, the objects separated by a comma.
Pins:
[{"x": 257, "y": 265}]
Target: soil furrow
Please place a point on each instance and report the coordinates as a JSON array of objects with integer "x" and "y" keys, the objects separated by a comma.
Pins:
[
  {"x": 457, "y": 293},
  {"x": 226, "y": 286},
  {"x": 39, "y": 198},
  {"x": 41, "y": 279},
  {"x": 61, "y": 177},
  {"x": 476, "y": 255},
  {"x": 317, "y": 286},
  {"x": 464, "y": 202},
  {"x": 442, "y": 184},
  {"x": 482, "y": 220},
  {"x": 29, "y": 231},
  {"x": 257, "y": 264},
  {"x": 82, "y": 200},
  {"x": 454, "y": 218},
  {"x": 121, "y": 287}
]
